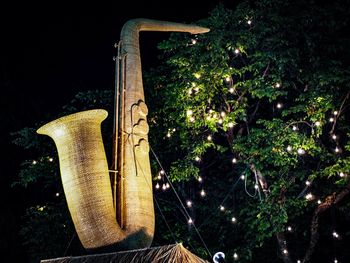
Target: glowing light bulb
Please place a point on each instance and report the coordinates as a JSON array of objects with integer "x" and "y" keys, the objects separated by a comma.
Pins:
[
  {"x": 162, "y": 172},
  {"x": 317, "y": 123},
  {"x": 298, "y": 261},
  {"x": 190, "y": 92},
  {"x": 189, "y": 112},
  {"x": 210, "y": 111},
  {"x": 50, "y": 159},
  {"x": 301, "y": 151},
  {"x": 209, "y": 138},
  {"x": 337, "y": 150},
  {"x": 197, "y": 159},
  {"x": 159, "y": 177},
  {"x": 228, "y": 79},
  {"x": 334, "y": 137},
  {"x": 233, "y": 219},
  {"x": 203, "y": 193},
  {"x": 168, "y": 135},
  {"x": 277, "y": 85},
  {"x": 289, "y": 148},
  {"x": 279, "y": 105},
  {"x": 157, "y": 186},
  {"x": 335, "y": 261},
  {"x": 331, "y": 119},
  {"x": 189, "y": 203},
  {"x": 223, "y": 114},
  {"x": 249, "y": 22},
  {"x": 34, "y": 162},
  {"x": 309, "y": 196},
  {"x": 308, "y": 183},
  {"x": 341, "y": 174},
  {"x": 235, "y": 256},
  {"x": 57, "y": 194},
  {"x": 335, "y": 112},
  {"x": 164, "y": 187},
  {"x": 285, "y": 251},
  {"x": 230, "y": 124},
  {"x": 220, "y": 121},
  {"x": 319, "y": 201},
  {"x": 335, "y": 234},
  {"x": 242, "y": 177},
  {"x": 174, "y": 129},
  {"x": 200, "y": 179},
  {"x": 234, "y": 160},
  {"x": 167, "y": 185},
  {"x": 192, "y": 119},
  {"x": 294, "y": 128},
  {"x": 256, "y": 186},
  {"x": 289, "y": 228},
  {"x": 237, "y": 51},
  {"x": 193, "y": 41},
  {"x": 222, "y": 208},
  {"x": 231, "y": 90},
  {"x": 190, "y": 221}
]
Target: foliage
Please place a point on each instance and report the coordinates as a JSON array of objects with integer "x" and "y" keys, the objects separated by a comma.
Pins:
[{"x": 262, "y": 88}]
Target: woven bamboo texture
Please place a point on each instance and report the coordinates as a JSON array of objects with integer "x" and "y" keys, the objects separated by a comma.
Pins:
[{"x": 164, "y": 254}]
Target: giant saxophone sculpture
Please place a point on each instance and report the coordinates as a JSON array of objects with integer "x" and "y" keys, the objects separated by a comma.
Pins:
[{"x": 128, "y": 223}]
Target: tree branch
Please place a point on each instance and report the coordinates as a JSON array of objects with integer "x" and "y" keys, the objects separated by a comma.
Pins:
[{"x": 329, "y": 202}]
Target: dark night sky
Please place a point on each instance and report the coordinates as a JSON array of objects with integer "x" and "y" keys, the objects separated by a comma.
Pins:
[{"x": 51, "y": 50}]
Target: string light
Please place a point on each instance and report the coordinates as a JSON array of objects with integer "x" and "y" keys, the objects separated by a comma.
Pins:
[
  {"x": 233, "y": 219},
  {"x": 298, "y": 261},
  {"x": 167, "y": 185},
  {"x": 279, "y": 105},
  {"x": 335, "y": 260},
  {"x": 162, "y": 172},
  {"x": 228, "y": 79},
  {"x": 223, "y": 114},
  {"x": 237, "y": 51},
  {"x": 189, "y": 112},
  {"x": 308, "y": 183},
  {"x": 235, "y": 256},
  {"x": 256, "y": 186},
  {"x": 57, "y": 194},
  {"x": 222, "y": 208},
  {"x": 50, "y": 159},
  {"x": 289, "y": 148},
  {"x": 168, "y": 135},
  {"x": 190, "y": 92},
  {"x": 242, "y": 177},
  {"x": 34, "y": 162},
  {"x": 202, "y": 193},
  {"x": 189, "y": 203},
  {"x": 231, "y": 90},
  {"x": 301, "y": 151},
  {"x": 277, "y": 85},
  {"x": 230, "y": 124},
  {"x": 193, "y": 41},
  {"x": 319, "y": 201},
  {"x": 335, "y": 234},
  {"x": 192, "y": 119},
  {"x": 200, "y": 179},
  {"x": 318, "y": 123},
  {"x": 285, "y": 251},
  {"x": 335, "y": 112},
  {"x": 157, "y": 186},
  {"x": 334, "y": 137},
  {"x": 220, "y": 121},
  {"x": 197, "y": 75},
  {"x": 197, "y": 159},
  {"x": 309, "y": 196},
  {"x": 337, "y": 150},
  {"x": 164, "y": 187},
  {"x": 249, "y": 22},
  {"x": 209, "y": 138},
  {"x": 294, "y": 128},
  {"x": 289, "y": 228},
  {"x": 331, "y": 119},
  {"x": 190, "y": 221},
  {"x": 341, "y": 174},
  {"x": 159, "y": 177},
  {"x": 234, "y": 160}
]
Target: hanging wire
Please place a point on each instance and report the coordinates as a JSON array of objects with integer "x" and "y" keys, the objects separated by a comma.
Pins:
[
  {"x": 182, "y": 205},
  {"x": 69, "y": 244}
]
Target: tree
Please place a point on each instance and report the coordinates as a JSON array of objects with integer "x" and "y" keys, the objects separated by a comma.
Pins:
[
  {"x": 249, "y": 123},
  {"x": 262, "y": 97}
]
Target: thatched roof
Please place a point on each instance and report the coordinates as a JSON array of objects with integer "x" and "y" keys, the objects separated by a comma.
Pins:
[{"x": 165, "y": 254}]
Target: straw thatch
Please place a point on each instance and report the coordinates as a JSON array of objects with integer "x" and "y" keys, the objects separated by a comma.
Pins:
[{"x": 165, "y": 254}]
